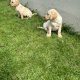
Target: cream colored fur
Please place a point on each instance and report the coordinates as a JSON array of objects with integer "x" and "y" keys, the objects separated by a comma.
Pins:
[
  {"x": 23, "y": 11},
  {"x": 53, "y": 23}
]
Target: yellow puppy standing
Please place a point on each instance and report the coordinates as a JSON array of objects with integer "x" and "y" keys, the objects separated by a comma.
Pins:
[{"x": 23, "y": 11}]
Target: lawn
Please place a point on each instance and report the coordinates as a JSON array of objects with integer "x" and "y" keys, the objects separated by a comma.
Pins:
[{"x": 27, "y": 54}]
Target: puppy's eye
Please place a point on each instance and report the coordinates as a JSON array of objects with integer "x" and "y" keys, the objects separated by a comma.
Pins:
[{"x": 12, "y": 2}]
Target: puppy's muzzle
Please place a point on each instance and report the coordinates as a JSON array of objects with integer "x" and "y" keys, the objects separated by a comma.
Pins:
[{"x": 46, "y": 17}]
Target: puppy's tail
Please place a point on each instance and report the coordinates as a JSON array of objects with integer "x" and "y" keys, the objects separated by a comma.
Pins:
[
  {"x": 34, "y": 14},
  {"x": 40, "y": 27}
]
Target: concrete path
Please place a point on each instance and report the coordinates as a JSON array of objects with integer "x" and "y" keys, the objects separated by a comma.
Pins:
[{"x": 69, "y": 9}]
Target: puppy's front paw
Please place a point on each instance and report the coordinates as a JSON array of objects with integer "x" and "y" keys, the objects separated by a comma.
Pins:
[
  {"x": 60, "y": 36},
  {"x": 21, "y": 18},
  {"x": 48, "y": 35}
]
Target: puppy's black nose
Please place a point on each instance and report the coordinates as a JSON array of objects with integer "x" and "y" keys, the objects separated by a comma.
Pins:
[{"x": 43, "y": 16}]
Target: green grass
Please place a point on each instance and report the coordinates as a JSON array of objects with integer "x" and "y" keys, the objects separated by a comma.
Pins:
[{"x": 27, "y": 54}]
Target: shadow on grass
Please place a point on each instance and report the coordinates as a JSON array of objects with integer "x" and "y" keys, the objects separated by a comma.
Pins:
[{"x": 69, "y": 30}]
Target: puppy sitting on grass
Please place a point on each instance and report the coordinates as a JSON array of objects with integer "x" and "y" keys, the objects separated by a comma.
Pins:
[
  {"x": 23, "y": 11},
  {"x": 54, "y": 22}
]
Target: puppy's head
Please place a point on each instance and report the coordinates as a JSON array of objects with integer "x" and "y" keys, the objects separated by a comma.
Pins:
[
  {"x": 14, "y": 3},
  {"x": 51, "y": 15}
]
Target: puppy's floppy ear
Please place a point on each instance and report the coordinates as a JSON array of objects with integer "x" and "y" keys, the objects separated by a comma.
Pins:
[
  {"x": 53, "y": 15},
  {"x": 17, "y": 2}
]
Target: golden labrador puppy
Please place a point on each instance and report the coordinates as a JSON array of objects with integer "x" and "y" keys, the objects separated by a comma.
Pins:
[
  {"x": 23, "y": 11},
  {"x": 54, "y": 22}
]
